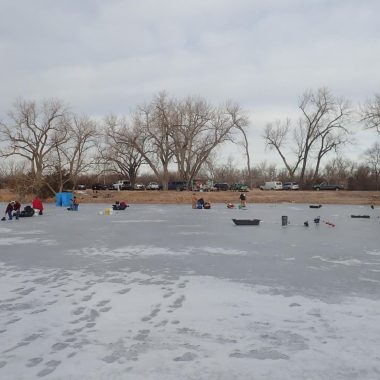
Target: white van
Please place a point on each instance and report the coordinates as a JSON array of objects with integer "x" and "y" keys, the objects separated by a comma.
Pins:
[
  {"x": 275, "y": 185},
  {"x": 123, "y": 184}
]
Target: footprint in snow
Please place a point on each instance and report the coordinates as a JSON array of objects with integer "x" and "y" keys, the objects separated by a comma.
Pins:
[
  {"x": 102, "y": 303},
  {"x": 186, "y": 357},
  {"x": 34, "y": 361},
  {"x": 50, "y": 367}
]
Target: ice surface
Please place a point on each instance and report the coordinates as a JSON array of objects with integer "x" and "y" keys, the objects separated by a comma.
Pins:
[{"x": 168, "y": 292}]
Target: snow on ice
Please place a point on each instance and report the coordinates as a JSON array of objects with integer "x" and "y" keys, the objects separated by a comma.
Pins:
[{"x": 168, "y": 292}]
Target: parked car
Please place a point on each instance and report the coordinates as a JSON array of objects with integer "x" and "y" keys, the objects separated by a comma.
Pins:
[
  {"x": 99, "y": 186},
  {"x": 153, "y": 186},
  {"x": 221, "y": 186},
  {"x": 82, "y": 187},
  {"x": 290, "y": 186},
  {"x": 139, "y": 186},
  {"x": 272, "y": 185},
  {"x": 239, "y": 187},
  {"x": 177, "y": 185},
  {"x": 328, "y": 186}
]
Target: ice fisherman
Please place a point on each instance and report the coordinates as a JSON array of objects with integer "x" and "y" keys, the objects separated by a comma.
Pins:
[
  {"x": 37, "y": 205},
  {"x": 74, "y": 204},
  {"x": 200, "y": 203},
  {"x": 194, "y": 201},
  {"x": 243, "y": 200},
  {"x": 119, "y": 205},
  {"x": 13, "y": 210}
]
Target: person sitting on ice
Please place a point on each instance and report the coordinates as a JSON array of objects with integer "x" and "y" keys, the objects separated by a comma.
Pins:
[
  {"x": 123, "y": 205},
  {"x": 230, "y": 205},
  {"x": 37, "y": 205},
  {"x": 28, "y": 211},
  {"x": 200, "y": 203},
  {"x": 119, "y": 205},
  {"x": 207, "y": 205},
  {"x": 9, "y": 211},
  {"x": 12, "y": 210}
]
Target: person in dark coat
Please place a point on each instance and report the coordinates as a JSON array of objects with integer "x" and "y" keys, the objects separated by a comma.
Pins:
[
  {"x": 9, "y": 210},
  {"x": 243, "y": 200},
  {"x": 12, "y": 210},
  {"x": 119, "y": 205},
  {"x": 200, "y": 203},
  {"x": 27, "y": 212}
]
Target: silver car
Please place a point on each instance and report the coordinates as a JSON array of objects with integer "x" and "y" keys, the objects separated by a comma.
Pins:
[
  {"x": 153, "y": 186},
  {"x": 290, "y": 186}
]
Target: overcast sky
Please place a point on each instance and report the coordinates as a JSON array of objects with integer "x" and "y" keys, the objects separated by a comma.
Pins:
[{"x": 108, "y": 56}]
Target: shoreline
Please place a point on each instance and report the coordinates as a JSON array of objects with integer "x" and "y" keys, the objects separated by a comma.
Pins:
[{"x": 184, "y": 197}]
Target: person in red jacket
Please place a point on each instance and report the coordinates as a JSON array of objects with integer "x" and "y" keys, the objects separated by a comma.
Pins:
[{"x": 37, "y": 205}]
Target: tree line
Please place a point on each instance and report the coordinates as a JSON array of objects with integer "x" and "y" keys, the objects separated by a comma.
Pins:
[{"x": 47, "y": 148}]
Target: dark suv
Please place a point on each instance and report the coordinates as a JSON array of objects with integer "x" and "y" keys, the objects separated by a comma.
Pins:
[
  {"x": 99, "y": 186},
  {"x": 177, "y": 185},
  {"x": 221, "y": 186}
]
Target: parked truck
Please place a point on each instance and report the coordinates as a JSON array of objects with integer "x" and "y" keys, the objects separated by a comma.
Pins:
[
  {"x": 122, "y": 185},
  {"x": 328, "y": 186}
]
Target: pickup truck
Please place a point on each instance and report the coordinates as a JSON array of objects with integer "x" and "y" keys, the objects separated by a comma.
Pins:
[
  {"x": 122, "y": 185},
  {"x": 239, "y": 187},
  {"x": 328, "y": 186}
]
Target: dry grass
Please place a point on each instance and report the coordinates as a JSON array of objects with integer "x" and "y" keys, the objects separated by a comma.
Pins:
[{"x": 183, "y": 197}]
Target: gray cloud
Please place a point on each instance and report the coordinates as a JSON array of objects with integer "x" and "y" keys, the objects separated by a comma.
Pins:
[{"x": 109, "y": 56}]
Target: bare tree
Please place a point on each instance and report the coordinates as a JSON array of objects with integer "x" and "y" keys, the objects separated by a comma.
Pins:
[
  {"x": 371, "y": 113},
  {"x": 75, "y": 155},
  {"x": 200, "y": 128},
  {"x": 338, "y": 169},
  {"x": 275, "y": 136},
  {"x": 240, "y": 122},
  {"x": 330, "y": 140},
  {"x": 372, "y": 156},
  {"x": 117, "y": 152},
  {"x": 151, "y": 136},
  {"x": 322, "y": 128},
  {"x": 14, "y": 175},
  {"x": 322, "y": 114},
  {"x": 33, "y": 132}
]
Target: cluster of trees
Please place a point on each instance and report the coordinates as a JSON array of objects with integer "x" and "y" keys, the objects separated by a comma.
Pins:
[
  {"x": 56, "y": 146},
  {"x": 48, "y": 148}
]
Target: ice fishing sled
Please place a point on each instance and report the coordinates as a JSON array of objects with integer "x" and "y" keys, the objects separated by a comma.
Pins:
[
  {"x": 315, "y": 206},
  {"x": 246, "y": 222}
]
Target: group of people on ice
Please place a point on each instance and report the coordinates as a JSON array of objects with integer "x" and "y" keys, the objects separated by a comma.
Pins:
[
  {"x": 201, "y": 203},
  {"x": 13, "y": 209},
  {"x": 119, "y": 205}
]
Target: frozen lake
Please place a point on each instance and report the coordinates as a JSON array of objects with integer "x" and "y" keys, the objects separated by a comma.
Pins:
[{"x": 168, "y": 292}]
